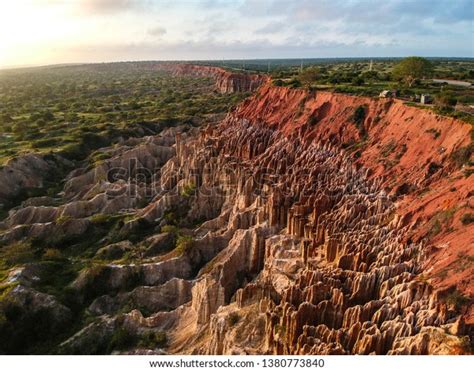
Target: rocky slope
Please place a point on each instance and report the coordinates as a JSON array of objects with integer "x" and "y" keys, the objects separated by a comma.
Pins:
[
  {"x": 303, "y": 223},
  {"x": 226, "y": 81},
  {"x": 27, "y": 172}
]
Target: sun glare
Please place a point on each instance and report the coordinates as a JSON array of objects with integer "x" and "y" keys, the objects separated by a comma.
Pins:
[{"x": 30, "y": 30}]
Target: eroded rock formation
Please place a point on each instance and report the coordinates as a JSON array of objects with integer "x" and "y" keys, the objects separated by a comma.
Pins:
[{"x": 26, "y": 172}]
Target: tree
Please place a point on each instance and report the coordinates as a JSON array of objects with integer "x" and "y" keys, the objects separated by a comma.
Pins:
[
  {"x": 309, "y": 75},
  {"x": 445, "y": 101},
  {"x": 412, "y": 68},
  {"x": 358, "y": 80}
]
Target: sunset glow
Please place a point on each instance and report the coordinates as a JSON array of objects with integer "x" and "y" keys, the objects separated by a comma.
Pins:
[{"x": 36, "y": 32}]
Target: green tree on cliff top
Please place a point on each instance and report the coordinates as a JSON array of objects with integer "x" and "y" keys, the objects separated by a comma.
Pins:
[{"x": 412, "y": 68}]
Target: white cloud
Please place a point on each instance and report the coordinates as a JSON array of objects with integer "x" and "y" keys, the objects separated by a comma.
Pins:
[{"x": 157, "y": 31}]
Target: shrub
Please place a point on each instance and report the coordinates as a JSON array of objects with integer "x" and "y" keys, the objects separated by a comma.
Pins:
[
  {"x": 294, "y": 83},
  {"x": 462, "y": 155},
  {"x": 445, "y": 101},
  {"x": 121, "y": 339},
  {"x": 434, "y": 132},
  {"x": 358, "y": 118},
  {"x": 63, "y": 219},
  {"x": 104, "y": 218},
  {"x": 152, "y": 339},
  {"x": 188, "y": 190},
  {"x": 278, "y": 82},
  {"x": 457, "y": 300},
  {"x": 388, "y": 148},
  {"x": 17, "y": 253},
  {"x": 313, "y": 120},
  {"x": 168, "y": 228},
  {"x": 73, "y": 151},
  {"x": 358, "y": 81},
  {"x": 41, "y": 143},
  {"x": 183, "y": 244},
  {"x": 440, "y": 220}
]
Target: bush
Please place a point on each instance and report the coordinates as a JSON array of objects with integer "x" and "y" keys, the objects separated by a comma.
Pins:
[
  {"x": 63, "y": 219},
  {"x": 152, "y": 339},
  {"x": 445, "y": 102},
  {"x": 121, "y": 339},
  {"x": 359, "y": 118},
  {"x": 462, "y": 155},
  {"x": 183, "y": 244},
  {"x": 457, "y": 300},
  {"x": 168, "y": 228},
  {"x": 294, "y": 83},
  {"x": 358, "y": 81},
  {"x": 188, "y": 190},
  {"x": 278, "y": 82},
  {"x": 73, "y": 151},
  {"x": 104, "y": 218},
  {"x": 17, "y": 253},
  {"x": 41, "y": 143}
]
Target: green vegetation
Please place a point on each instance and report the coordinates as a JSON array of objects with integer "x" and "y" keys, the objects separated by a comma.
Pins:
[
  {"x": 412, "y": 68},
  {"x": 188, "y": 190},
  {"x": 445, "y": 102},
  {"x": 457, "y": 300},
  {"x": 463, "y": 155},
  {"x": 73, "y": 110},
  {"x": 123, "y": 339},
  {"x": 183, "y": 244},
  {"x": 309, "y": 75},
  {"x": 359, "y": 118},
  {"x": 153, "y": 340}
]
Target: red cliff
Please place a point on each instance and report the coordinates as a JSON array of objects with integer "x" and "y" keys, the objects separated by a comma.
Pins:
[{"x": 226, "y": 81}]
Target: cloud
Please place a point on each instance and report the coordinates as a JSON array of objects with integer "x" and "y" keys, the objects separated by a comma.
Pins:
[
  {"x": 272, "y": 27},
  {"x": 157, "y": 31},
  {"x": 260, "y": 48},
  {"x": 99, "y": 7}
]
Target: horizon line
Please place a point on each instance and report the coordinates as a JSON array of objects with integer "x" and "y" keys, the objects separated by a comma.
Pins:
[{"x": 70, "y": 64}]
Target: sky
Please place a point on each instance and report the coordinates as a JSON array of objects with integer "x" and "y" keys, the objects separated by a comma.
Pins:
[{"x": 36, "y": 32}]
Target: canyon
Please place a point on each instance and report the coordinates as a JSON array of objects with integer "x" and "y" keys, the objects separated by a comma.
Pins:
[{"x": 310, "y": 222}]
